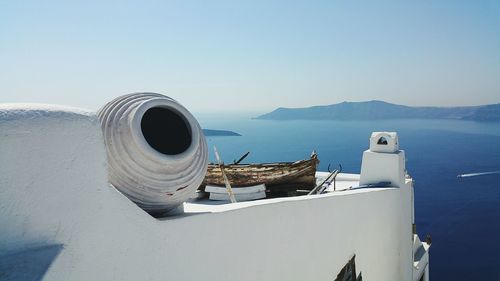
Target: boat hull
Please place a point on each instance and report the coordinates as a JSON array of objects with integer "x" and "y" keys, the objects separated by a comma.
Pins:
[{"x": 279, "y": 178}]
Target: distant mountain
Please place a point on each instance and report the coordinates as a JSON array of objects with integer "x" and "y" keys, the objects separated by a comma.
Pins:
[
  {"x": 213, "y": 133},
  {"x": 370, "y": 110}
]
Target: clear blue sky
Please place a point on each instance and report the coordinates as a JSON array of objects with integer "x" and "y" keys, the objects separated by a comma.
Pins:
[{"x": 251, "y": 55}]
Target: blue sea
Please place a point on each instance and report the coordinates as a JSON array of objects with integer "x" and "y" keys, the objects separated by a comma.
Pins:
[{"x": 461, "y": 214}]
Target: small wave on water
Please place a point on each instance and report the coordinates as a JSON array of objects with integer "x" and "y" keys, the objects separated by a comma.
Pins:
[{"x": 477, "y": 174}]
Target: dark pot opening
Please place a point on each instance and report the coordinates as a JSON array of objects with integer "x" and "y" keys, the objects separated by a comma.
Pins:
[{"x": 166, "y": 131}]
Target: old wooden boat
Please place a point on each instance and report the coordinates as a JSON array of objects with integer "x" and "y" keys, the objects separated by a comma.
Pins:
[{"x": 279, "y": 178}]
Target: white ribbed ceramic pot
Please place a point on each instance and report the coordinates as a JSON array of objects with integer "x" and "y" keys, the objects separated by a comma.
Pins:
[{"x": 157, "y": 153}]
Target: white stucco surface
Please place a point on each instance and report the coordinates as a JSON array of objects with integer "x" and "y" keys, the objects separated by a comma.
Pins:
[{"x": 54, "y": 191}]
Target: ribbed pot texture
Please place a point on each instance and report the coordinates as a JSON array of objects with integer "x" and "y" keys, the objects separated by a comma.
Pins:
[{"x": 157, "y": 153}]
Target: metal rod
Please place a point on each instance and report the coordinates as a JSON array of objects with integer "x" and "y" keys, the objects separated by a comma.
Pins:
[
  {"x": 314, "y": 190},
  {"x": 241, "y": 158}
]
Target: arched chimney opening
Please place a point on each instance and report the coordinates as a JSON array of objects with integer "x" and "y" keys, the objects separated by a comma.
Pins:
[
  {"x": 382, "y": 141},
  {"x": 166, "y": 131}
]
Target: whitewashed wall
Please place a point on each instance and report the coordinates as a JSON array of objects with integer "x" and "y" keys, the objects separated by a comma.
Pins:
[{"x": 54, "y": 191}]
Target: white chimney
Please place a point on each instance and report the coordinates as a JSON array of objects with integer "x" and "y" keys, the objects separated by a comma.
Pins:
[{"x": 383, "y": 162}]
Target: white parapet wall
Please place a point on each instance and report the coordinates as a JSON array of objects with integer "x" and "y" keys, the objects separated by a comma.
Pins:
[
  {"x": 54, "y": 193},
  {"x": 53, "y": 176}
]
